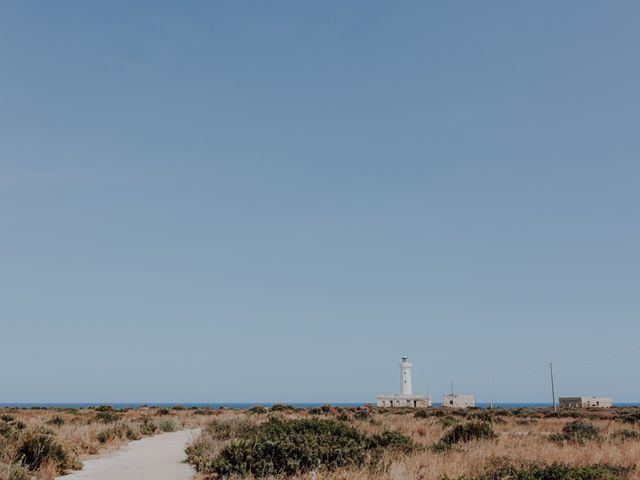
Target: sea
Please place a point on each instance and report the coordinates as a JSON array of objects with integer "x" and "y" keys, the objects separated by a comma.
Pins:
[{"x": 249, "y": 405}]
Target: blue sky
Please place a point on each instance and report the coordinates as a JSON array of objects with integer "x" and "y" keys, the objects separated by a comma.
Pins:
[{"x": 274, "y": 201}]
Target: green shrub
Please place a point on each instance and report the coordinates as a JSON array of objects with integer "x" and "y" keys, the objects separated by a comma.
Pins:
[
  {"x": 625, "y": 435},
  {"x": 556, "y": 472},
  {"x": 168, "y": 424},
  {"x": 393, "y": 441},
  {"x": 103, "y": 408},
  {"x": 147, "y": 427},
  {"x": 448, "y": 421},
  {"x": 422, "y": 413},
  {"x": 258, "y": 409},
  {"x": 632, "y": 417},
  {"x": 37, "y": 448},
  {"x": 119, "y": 431},
  {"x": 278, "y": 407},
  {"x": 467, "y": 432},
  {"x": 56, "y": 421},
  {"x": 201, "y": 453},
  {"x": 362, "y": 414},
  {"x": 7, "y": 418},
  {"x": 280, "y": 447},
  {"x": 288, "y": 447},
  {"x": 577, "y": 431},
  {"x": 343, "y": 417},
  {"x": 106, "y": 417}
]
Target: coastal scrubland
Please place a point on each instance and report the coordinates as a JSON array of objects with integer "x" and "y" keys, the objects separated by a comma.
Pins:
[
  {"x": 431, "y": 444},
  {"x": 42, "y": 443},
  {"x": 337, "y": 443}
]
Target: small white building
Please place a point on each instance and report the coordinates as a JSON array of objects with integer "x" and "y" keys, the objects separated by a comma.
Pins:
[
  {"x": 586, "y": 402},
  {"x": 458, "y": 401},
  {"x": 405, "y": 398}
]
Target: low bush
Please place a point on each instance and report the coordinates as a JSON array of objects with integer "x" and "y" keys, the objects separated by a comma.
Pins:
[
  {"x": 629, "y": 417},
  {"x": 106, "y": 417},
  {"x": 258, "y": 409},
  {"x": 625, "y": 435},
  {"x": 56, "y": 421},
  {"x": 467, "y": 432},
  {"x": 556, "y": 472},
  {"x": 343, "y": 417},
  {"x": 118, "y": 432},
  {"x": 227, "y": 429},
  {"x": 168, "y": 424},
  {"x": 280, "y": 447},
  {"x": 362, "y": 415},
  {"x": 278, "y": 407},
  {"x": 448, "y": 421},
  {"x": 577, "y": 431},
  {"x": 393, "y": 441},
  {"x": 201, "y": 453},
  {"x": 103, "y": 408},
  {"x": 37, "y": 448},
  {"x": 162, "y": 412},
  {"x": 147, "y": 427},
  {"x": 422, "y": 413}
]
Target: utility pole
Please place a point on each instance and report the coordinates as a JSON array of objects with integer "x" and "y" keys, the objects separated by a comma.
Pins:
[
  {"x": 490, "y": 393},
  {"x": 553, "y": 388}
]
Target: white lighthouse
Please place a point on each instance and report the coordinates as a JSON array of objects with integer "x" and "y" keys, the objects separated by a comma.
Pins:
[
  {"x": 405, "y": 398},
  {"x": 405, "y": 376}
]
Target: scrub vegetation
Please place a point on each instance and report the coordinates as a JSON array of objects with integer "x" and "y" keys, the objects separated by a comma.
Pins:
[
  {"x": 43, "y": 443},
  {"x": 335, "y": 443}
]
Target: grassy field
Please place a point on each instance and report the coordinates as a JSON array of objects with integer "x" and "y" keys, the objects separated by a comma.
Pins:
[
  {"x": 40, "y": 444},
  {"x": 338, "y": 443}
]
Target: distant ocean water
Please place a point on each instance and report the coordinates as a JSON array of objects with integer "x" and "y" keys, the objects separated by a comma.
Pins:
[{"x": 249, "y": 405}]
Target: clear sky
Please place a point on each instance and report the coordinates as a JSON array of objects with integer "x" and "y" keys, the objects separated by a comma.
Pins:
[{"x": 273, "y": 201}]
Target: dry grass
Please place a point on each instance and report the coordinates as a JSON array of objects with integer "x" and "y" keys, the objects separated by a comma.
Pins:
[
  {"x": 522, "y": 439},
  {"x": 81, "y": 433}
]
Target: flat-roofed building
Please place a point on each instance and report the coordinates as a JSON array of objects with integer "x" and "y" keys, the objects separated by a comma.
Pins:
[
  {"x": 458, "y": 401},
  {"x": 586, "y": 402}
]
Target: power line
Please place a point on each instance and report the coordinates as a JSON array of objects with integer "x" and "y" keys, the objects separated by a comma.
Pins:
[{"x": 603, "y": 360}]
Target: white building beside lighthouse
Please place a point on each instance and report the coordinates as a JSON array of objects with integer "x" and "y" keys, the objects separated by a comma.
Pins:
[{"x": 405, "y": 398}]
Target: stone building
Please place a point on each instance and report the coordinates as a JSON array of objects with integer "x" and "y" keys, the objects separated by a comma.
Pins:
[
  {"x": 586, "y": 402},
  {"x": 458, "y": 401}
]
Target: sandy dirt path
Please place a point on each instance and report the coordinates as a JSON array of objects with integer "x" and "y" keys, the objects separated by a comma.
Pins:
[{"x": 153, "y": 458}]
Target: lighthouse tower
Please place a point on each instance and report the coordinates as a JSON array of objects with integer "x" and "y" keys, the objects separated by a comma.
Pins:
[
  {"x": 405, "y": 376},
  {"x": 405, "y": 398}
]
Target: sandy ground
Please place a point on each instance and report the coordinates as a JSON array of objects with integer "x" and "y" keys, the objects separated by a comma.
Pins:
[{"x": 152, "y": 458}]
